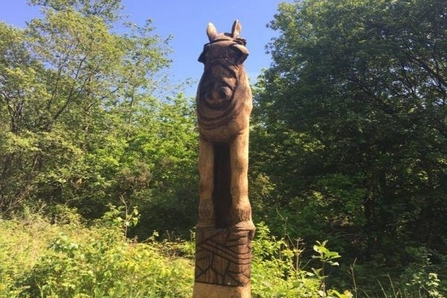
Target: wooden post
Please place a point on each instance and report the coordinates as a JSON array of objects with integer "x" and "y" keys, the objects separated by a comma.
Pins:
[
  {"x": 223, "y": 258},
  {"x": 225, "y": 228}
]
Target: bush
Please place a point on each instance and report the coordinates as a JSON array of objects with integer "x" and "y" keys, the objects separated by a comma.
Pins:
[
  {"x": 22, "y": 242},
  {"x": 67, "y": 258},
  {"x": 73, "y": 260},
  {"x": 277, "y": 270}
]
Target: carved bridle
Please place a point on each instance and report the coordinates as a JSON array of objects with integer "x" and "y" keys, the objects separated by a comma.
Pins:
[
  {"x": 228, "y": 44},
  {"x": 225, "y": 51}
]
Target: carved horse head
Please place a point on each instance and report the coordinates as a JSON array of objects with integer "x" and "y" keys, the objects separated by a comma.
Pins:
[{"x": 224, "y": 85}]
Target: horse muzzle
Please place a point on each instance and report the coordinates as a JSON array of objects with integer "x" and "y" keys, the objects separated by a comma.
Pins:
[{"x": 218, "y": 94}]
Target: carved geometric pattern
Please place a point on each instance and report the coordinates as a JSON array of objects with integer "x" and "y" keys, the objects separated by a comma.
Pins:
[{"x": 223, "y": 256}]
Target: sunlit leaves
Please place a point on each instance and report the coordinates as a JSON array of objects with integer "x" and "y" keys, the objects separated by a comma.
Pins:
[
  {"x": 77, "y": 89},
  {"x": 364, "y": 82}
]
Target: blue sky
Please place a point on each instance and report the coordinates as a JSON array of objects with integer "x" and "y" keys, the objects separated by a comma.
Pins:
[{"x": 186, "y": 21}]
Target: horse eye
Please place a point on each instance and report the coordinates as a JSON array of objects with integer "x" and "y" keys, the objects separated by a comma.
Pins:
[
  {"x": 235, "y": 50},
  {"x": 239, "y": 54}
]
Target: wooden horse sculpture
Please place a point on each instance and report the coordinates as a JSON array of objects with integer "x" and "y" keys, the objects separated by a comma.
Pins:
[{"x": 225, "y": 227}]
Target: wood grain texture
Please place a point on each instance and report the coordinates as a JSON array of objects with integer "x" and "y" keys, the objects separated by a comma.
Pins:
[
  {"x": 225, "y": 228},
  {"x": 223, "y": 256}
]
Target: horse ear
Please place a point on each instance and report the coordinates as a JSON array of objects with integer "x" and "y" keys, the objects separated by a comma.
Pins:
[
  {"x": 211, "y": 31},
  {"x": 237, "y": 28}
]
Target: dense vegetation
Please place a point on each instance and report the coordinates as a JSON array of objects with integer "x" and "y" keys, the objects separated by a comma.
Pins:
[
  {"x": 348, "y": 144},
  {"x": 71, "y": 259},
  {"x": 352, "y": 132},
  {"x": 80, "y": 124}
]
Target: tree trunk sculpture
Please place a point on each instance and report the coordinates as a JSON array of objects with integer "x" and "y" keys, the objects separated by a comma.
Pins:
[{"x": 225, "y": 228}]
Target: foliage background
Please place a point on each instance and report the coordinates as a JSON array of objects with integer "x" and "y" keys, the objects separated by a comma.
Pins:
[{"x": 348, "y": 144}]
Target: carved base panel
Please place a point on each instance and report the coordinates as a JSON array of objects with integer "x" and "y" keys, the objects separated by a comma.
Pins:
[
  {"x": 223, "y": 258},
  {"x": 202, "y": 290}
]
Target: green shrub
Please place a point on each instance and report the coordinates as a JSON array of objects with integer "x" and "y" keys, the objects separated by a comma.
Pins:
[
  {"x": 22, "y": 242},
  {"x": 105, "y": 267},
  {"x": 73, "y": 260},
  {"x": 277, "y": 270}
]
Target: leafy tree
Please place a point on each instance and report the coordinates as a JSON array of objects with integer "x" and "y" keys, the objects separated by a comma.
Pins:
[
  {"x": 352, "y": 126},
  {"x": 80, "y": 122}
]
